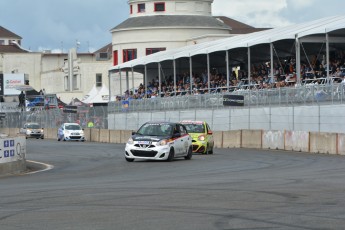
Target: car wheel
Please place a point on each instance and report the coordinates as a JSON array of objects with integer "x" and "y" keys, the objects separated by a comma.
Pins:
[
  {"x": 58, "y": 138},
  {"x": 206, "y": 150},
  {"x": 210, "y": 151},
  {"x": 129, "y": 159},
  {"x": 82, "y": 140},
  {"x": 42, "y": 137},
  {"x": 63, "y": 138},
  {"x": 171, "y": 155},
  {"x": 190, "y": 154}
]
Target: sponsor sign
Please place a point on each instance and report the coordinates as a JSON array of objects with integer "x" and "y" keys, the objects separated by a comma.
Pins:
[
  {"x": 11, "y": 82},
  {"x": 70, "y": 109},
  {"x": 233, "y": 100},
  {"x": 12, "y": 149}
]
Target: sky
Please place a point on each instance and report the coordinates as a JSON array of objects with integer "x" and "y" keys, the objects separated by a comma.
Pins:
[{"x": 58, "y": 25}]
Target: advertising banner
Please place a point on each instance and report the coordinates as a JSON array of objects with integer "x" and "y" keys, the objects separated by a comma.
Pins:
[
  {"x": 233, "y": 100},
  {"x": 12, "y": 149},
  {"x": 11, "y": 82}
]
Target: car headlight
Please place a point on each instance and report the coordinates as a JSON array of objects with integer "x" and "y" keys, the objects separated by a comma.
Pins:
[
  {"x": 162, "y": 142},
  {"x": 130, "y": 141},
  {"x": 81, "y": 132},
  {"x": 201, "y": 138}
]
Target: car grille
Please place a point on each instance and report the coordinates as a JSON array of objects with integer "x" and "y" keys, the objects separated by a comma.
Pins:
[
  {"x": 195, "y": 147},
  {"x": 75, "y": 137},
  {"x": 144, "y": 146},
  {"x": 141, "y": 153}
]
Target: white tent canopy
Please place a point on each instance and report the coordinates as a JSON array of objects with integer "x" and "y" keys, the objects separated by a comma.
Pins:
[
  {"x": 97, "y": 95},
  {"x": 320, "y": 26}
]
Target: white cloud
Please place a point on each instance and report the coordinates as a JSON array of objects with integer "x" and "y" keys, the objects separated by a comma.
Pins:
[
  {"x": 262, "y": 13},
  {"x": 298, "y": 4}
]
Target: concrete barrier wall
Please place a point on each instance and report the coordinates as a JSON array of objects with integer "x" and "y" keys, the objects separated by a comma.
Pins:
[
  {"x": 297, "y": 141},
  {"x": 115, "y": 136},
  {"x": 12, "y": 155},
  {"x": 252, "y": 139},
  {"x": 323, "y": 143},
  {"x": 341, "y": 144},
  {"x": 218, "y": 139},
  {"x": 273, "y": 140},
  {"x": 232, "y": 139},
  {"x": 104, "y": 135},
  {"x": 95, "y": 135}
]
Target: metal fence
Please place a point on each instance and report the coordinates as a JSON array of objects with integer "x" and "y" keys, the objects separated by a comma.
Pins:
[
  {"x": 311, "y": 94},
  {"x": 285, "y": 96}
]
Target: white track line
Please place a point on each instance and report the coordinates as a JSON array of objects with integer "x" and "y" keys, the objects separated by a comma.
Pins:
[{"x": 47, "y": 167}]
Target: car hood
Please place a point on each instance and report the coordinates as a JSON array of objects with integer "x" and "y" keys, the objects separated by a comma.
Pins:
[
  {"x": 149, "y": 138},
  {"x": 195, "y": 135}
]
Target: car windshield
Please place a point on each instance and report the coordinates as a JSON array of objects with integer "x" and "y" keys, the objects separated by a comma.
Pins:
[
  {"x": 195, "y": 128},
  {"x": 156, "y": 129},
  {"x": 33, "y": 126},
  {"x": 73, "y": 127}
]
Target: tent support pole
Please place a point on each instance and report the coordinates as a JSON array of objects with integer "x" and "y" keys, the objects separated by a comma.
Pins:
[
  {"x": 272, "y": 70},
  {"x": 159, "y": 80},
  {"x": 227, "y": 70},
  {"x": 174, "y": 64},
  {"x": 298, "y": 61},
  {"x": 120, "y": 82},
  {"x": 208, "y": 73},
  {"x": 133, "y": 79},
  {"x": 327, "y": 55},
  {"x": 249, "y": 64},
  {"x": 145, "y": 79},
  {"x": 190, "y": 75}
]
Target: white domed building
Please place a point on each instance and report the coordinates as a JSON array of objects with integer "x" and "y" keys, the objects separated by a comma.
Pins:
[{"x": 163, "y": 25}]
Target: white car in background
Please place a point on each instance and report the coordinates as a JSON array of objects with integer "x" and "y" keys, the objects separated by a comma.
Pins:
[
  {"x": 32, "y": 130},
  {"x": 70, "y": 132}
]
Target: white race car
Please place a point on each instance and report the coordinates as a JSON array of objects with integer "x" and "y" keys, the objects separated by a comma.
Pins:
[
  {"x": 159, "y": 141},
  {"x": 70, "y": 132}
]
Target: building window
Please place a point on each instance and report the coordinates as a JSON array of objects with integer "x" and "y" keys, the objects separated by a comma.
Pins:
[
  {"x": 141, "y": 8},
  {"x": 116, "y": 57},
  {"x": 2, "y": 42},
  {"x": 154, "y": 50},
  {"x": 159, "y": 6},
  {"x": 75, "y": 82},
  {"x": 98, "y": 80},
  {"x": 131, "y": 9},
  {"x": 66, "y": 83},
  {"x": 129, "y": 54}
]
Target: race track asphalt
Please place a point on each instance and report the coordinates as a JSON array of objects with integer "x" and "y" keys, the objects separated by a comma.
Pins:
[{"x": 91, "y": 186}]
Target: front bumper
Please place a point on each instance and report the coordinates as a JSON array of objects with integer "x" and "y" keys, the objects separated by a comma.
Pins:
[
  {"x": 34, "y": 134},
  {"x": 199, "y": 146},
  {"x": 74, "y": 138},
  {"x": 147, "y": 152}
]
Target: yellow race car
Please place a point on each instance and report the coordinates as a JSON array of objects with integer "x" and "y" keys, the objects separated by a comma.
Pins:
[{"x": 202, "y": 136}]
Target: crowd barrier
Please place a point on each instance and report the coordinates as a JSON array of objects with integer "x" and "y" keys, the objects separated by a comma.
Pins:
[
  {"x": 13, "y": 149},
  {"x": 299, "y": 141}
]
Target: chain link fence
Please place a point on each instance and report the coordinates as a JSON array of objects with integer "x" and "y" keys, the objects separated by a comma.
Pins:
[{"x": 312, "y": 94}]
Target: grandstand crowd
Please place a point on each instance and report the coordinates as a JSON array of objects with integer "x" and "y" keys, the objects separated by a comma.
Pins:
[{"x": 312, "y": 72}]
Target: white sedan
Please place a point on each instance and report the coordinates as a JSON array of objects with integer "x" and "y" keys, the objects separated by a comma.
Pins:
[{"x": 70, "y": 132}]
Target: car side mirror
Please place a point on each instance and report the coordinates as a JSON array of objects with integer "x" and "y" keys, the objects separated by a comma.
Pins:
[
  {"x": 210, "y": 132},
  {"x": 133, "y": 133}
]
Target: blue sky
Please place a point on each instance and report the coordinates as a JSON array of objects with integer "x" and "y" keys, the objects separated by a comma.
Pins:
[{"x": 59, "y": 24}]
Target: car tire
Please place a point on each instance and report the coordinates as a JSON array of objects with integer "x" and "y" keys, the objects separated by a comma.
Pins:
[
  {"x": 63, "y": 138},
  {"x": 42, "y": 138},
  {"x": 190, "y": 154},
  {"x": 171, "y": 155},
  {"x": 129, "y": 159},
  {"x": 58, "y": 139},
  {"x": 210, "y": 151}
]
